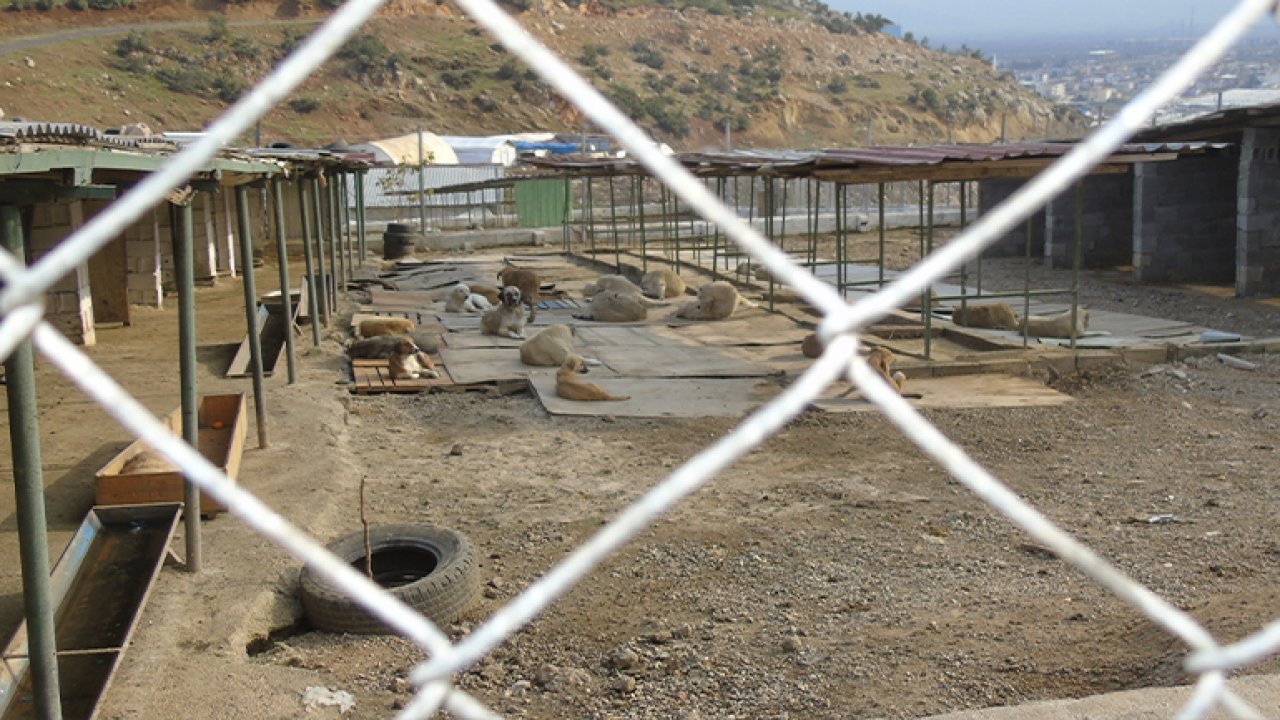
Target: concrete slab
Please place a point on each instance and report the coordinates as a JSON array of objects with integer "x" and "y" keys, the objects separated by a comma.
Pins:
[
  {"x": 643, "y": 361},
  {"x": 660, "y": 397},
  {"x": 477, "y": 365}
]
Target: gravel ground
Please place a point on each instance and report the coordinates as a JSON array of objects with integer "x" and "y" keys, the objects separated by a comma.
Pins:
[{"x": 835, "y": 572}]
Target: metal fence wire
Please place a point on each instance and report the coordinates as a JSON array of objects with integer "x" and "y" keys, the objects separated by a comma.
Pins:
[{"x": 22, "y": 307}]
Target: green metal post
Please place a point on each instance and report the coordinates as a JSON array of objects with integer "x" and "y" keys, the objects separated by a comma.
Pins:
[
  {"x": 360, "y": 235},
  {"x": 313, "y": 295},
  {"x": 335, "y": 252},
  {"x": 613, "y": 223},
  {"x": 568, "y": 215},
  {"x": 590, "y": 218},
  {"x": 346, "y": 225},
  {"x": 814, "y": 208},
  {"x": 964, "y": 267},
  {"x": 1076, "y": 260},
  {"x": 184, "y": 274},
  {"x": 926, "y": 302},
  {"x": 880, "y": 212},
  {"x": 1026, "y": 286},
  {"x": 28, "y": 479},
  {"x": 286, "y": 296},
  {"x": 323, "y": 278},
  {"x": 839, "y": 233},
  {"x": 675, "y": 227},
  {"x": 251, "y": 312}
]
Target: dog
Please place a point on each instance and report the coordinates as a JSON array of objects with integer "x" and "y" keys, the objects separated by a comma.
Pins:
[
  {"x": 507, "y": 318},
  {"x": 881, "y": 359},
  {"x": 662, "y": 284},
  {"x": 384, "y": 326},
  {"x": 461, "y": 299},
  {"x": 716, "y": 301},
  {"x": 1058, "y": 326},
  {"x": 406, "y": 358},
  {"x": 408, "y": 362},
  {"x": 528, "y": 283},
  {"x": 995, "y": 316},
  {"x": 613, "y": 306},
  {"x": 548, "y": 348},
  {"x": 569, "y": 387}
]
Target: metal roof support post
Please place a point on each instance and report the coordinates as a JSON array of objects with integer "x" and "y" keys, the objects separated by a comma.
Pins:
[
  {"x": 567, "y": 225},
  {"x": 613, "y": 223},
  {"x": 881, "y": 229},
  {"x": 322, "y": 276},
  {"x": 839, "y": 233},
  {"x": 335, "y": 240},
  {"x": 1026, "y": 286},
  {"x": 184, "y": 274},
  {"x": 360, "y": 230},
  {"x": 675, "y": 226},
  {"x": 251, "y": 311},
  {"x": 28, "y": 478},
  {"x": 286, "y": 297},
  {"x": 964, "y": 267},
  {"x": 722, "y": 187},
  {"x": 815, "y": 206},
  {"x": 926, "y": 301},
  {"x": 325, "y": 210},
  {"x": 589, "y": 216},
  {"x": 769, "y": 232},
  {"x": 313, "y": 296},
  {"x": 345, "y": 209},
  {"x": 422, "y": 187},
  {"x": 1076, "y": 261},
  {"x": 637, "y": 197}
]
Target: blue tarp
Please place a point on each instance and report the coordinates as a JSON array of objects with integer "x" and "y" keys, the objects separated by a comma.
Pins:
[{"x": 554, "y": 148}]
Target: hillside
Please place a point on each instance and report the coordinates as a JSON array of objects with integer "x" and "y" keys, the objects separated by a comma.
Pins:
[{"x": 793, "y": 76}]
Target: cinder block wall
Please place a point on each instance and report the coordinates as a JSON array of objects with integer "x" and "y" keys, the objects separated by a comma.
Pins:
[
  {"x": 1258, "y": 213},
  {"x": 68, "y": 304},
  {"x": 1184, "y": 226},
  {"x": 990, "y": 194},
  {"x": 1106, "y": 219},
  {"x": 144, "y": 252}
]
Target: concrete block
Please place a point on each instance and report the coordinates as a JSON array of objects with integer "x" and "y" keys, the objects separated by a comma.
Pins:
[{"x": 142, "y": 282}]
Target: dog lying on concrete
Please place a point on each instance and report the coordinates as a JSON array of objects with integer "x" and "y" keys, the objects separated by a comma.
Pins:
[
  {"x": 461, "y": 299},
  {"x": 507, "y": 318},
  {"x": 569, "y": 387}
]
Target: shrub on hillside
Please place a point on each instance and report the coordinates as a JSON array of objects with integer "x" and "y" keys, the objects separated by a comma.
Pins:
[
  {"x": 134, "y": 42},
  {"x": 304, "y": 105}
]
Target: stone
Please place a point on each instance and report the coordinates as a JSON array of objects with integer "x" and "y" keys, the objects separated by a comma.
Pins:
[
  {"x": 546, "y": 675},
  {"x": 622, "y": 659},
  {"x": 624, "y": 684},
  {"x": 792, "y": 644}
]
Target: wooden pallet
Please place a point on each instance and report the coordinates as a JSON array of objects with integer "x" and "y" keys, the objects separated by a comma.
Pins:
[{"x": 374, "y": 376}]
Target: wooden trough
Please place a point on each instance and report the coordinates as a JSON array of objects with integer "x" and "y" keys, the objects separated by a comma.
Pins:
[{"x": 138, "y": 475}]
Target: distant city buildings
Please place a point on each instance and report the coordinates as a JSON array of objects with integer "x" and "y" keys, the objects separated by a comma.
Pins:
[{"x": 1098, "y": 80}]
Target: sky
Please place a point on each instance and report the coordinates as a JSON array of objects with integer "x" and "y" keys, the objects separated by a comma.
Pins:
[{"x": 979, "y": 22}]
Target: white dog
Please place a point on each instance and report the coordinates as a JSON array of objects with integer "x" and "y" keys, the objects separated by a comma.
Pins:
[{"x": 461, "y": 299}]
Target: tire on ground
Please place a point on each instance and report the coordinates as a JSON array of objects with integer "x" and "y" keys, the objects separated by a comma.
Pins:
[{"x": 441, "y": 595}]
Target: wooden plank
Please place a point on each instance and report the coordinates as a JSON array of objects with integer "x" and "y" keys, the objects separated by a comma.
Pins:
[
  {"x": 661, "y": 397},
  {"x": 479, "y": 365},
  {"x": 476, "y": 340},
  {"x": 374, "y": 376},
  {"x": 239, "y": 366}
]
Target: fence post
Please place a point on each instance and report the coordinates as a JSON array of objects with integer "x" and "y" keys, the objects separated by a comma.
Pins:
[
  {"x": 28, "y": 480},
  {"x": 286, "y": 296},
  {"x": 251, "y": 311},
  {"x": 313, "y": 296},
  {"x": 184, "y": 275}
]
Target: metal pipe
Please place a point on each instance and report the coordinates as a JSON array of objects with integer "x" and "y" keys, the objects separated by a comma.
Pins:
[
  {"x": 880, "y": 210},
  {"x": 335, "y": 240},
  {"x": 184, "y": 275},
  {"x": 286, "y": 292},
  {"x": 28, "y": 480},
  {"x": 925, "y": 302},
  {"x": 323, "y": 276},
  {"x": 613, "y": 223},
  {"x": 313, "y": 297},
  {"x": 644, "y": 239},
  {"x": 590, "y": 218},
  {"x": 1076, "y": 260},
  {"x": 422, "y": 186},
  {"x": 568, "y": 215},
  {"x": 360, "y": 231},
  {"x": 251, "y": 312},
  {"x": 964, "y": 267},
  {"x": 1026, "y": 286},
  {"x": 345, "y": 210}
]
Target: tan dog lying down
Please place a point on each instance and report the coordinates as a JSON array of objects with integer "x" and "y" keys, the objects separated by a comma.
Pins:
[
  {"x": 569, "y": 387},
  {"x": 616, "y": 307},
  {"x": 716, "y": 301},
  {"x": 994, "y": 316},
  {"x": 1057, "y": 326},
  {"x": 662, "y": 284},
  {"x": 405, "y": 357},
  {"x": 620, "y": 285},
  {"x": 548, "y": 348},
  {"x": 375, "y": 327}
]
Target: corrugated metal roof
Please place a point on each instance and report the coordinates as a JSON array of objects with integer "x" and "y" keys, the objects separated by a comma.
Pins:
[{"x": 1224, "y": 125}]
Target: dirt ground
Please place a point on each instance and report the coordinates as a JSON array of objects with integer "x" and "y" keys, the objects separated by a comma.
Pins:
[{"x": 834, "y": 573}]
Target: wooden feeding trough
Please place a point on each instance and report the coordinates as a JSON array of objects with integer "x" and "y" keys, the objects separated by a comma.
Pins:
[{"x": 139, "y": 475}]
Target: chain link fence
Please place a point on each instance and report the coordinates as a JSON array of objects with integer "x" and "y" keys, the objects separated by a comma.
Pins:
[{"x": 22, "y": 308}]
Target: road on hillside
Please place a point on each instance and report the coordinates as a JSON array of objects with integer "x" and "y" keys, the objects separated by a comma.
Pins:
[{"x": 35, "y": 41}]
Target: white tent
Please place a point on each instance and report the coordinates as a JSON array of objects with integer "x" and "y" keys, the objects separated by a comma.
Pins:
[
  {"x": 403, "y": 150},
  {"x": 482, "y": 150}
]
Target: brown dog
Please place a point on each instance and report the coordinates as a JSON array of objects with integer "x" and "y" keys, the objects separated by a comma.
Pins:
[
  {"x": 375, "y": 327},
  {"x": 881, "y": 359},
  {"x": 527, "y": 281},
  {"x": 408, "y": 362},
  {"x": 569, "y": 387}
]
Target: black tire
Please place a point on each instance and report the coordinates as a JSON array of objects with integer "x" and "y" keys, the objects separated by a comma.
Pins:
[
  {"x": 395, "y": 247},
  {"x": 439, "y": 564},
  {"x": 401, "y": 228}
]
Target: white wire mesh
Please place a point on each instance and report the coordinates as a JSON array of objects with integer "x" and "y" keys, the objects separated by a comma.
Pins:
[{"x": 22, "y": 307}]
